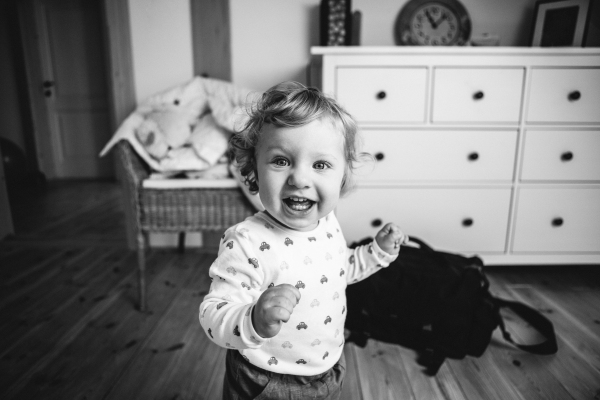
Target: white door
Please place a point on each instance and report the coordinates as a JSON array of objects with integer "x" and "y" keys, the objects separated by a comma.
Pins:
[{"x": 74, "y": 85}]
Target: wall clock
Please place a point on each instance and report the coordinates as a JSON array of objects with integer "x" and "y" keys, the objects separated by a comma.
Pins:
[{"x": 433, "y": 23}]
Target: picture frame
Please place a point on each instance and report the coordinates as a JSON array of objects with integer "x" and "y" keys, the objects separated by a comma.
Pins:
[{"x": 560, "y": 23}]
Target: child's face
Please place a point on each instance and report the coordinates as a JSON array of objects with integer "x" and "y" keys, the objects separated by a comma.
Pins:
[{"x": 300, "y": 172}]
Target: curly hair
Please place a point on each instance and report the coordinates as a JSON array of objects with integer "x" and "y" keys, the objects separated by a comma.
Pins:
[{"x": 291, "y": 104}]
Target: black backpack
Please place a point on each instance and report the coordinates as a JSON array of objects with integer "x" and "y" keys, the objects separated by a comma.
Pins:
[{"x": 436, "y": 303}]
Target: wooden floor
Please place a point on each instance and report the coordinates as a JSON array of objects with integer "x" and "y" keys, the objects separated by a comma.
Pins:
[{"x": 69, "y": 328}]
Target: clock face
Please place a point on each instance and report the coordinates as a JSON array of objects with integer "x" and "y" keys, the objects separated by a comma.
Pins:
[{"x": 433, "y": 23}]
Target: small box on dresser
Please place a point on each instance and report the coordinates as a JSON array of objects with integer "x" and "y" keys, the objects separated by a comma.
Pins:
[{"x": 488, "y": 151}]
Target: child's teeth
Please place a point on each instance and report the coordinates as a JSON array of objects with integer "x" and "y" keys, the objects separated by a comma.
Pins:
[{"x": 299, "y": 203}]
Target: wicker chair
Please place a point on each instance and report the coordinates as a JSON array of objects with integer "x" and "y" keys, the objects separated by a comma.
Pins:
[{"x": 173, "y": 210}]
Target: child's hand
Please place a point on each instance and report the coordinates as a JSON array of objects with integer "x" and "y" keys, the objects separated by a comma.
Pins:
[
  {"x": 389, "y": 238},
  {"x": 274, "y": 307}
]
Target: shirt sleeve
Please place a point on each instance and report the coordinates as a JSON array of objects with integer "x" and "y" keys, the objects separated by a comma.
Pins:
[
  {"x": 363, "y": 261},
  {"x": 226, "y": 311}
]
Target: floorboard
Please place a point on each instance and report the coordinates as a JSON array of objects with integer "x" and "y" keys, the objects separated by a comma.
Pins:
[{"x": 70, "y": 328}]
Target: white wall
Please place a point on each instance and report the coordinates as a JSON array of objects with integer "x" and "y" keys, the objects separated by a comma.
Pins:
[
  {"x": 162, "y": 45},
  {"x": 271, "y": 40}
]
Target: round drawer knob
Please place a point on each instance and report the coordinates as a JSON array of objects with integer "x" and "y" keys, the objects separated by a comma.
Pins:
[
  {"x": 574, "y": 95},
  {"x": 467, "y": 222},
  {"x": 379, "y": 156},
  {"x": 557, "y": 222},
  {"x": 566, "y": 156},
  {"x": 473, "y": 156},
  {"x": 478, "y": 95},
  {"x": 376, "y": 222},
  {"x": 381, "y": 95}
]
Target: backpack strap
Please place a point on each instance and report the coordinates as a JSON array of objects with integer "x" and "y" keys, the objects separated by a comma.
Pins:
[{"x": 536, "y": 320}]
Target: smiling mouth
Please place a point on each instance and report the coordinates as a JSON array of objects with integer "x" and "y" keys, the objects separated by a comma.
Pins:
[{"x": 298, "y": 203}]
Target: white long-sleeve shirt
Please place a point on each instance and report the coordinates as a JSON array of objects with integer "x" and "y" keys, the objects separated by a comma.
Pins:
[{"x": 259, "y": 253}]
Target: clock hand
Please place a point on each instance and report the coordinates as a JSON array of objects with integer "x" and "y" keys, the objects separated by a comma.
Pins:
[
  {"x": 430, "y": 19},
  {"x": 439, "y": 21}
]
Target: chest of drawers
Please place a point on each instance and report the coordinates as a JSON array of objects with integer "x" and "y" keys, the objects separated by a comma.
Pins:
[{"x": 488, "y": 151}]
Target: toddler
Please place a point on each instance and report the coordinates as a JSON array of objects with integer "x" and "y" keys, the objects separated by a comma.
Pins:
[{"x": 277, "y": 299}]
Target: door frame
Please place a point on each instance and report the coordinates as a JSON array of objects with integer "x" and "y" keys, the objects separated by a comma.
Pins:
[{"x": 119, "y": 63}]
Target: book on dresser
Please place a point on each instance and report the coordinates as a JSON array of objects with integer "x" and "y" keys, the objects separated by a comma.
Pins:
[{"x": 489, "y": 151}]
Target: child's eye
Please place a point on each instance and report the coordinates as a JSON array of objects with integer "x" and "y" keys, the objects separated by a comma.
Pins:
[
  {"x": 281, "y": 162},
  {"x": 320, "y": 165}
]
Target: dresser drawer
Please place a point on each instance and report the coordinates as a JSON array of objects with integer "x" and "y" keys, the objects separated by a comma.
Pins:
[
  {"x": 456, "y": 219},
  {"x": 383, "y": 94},
  {"x": 477, "y": 94},
  {"x": 439, "y": 155},
  {"x": 557, "y": 220},
  {"x": 564, "y": 95},
  {"x": 561, "y": 156}
]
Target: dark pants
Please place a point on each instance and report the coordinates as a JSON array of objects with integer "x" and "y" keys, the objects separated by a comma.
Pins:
[{"x": 244, "y": 381}]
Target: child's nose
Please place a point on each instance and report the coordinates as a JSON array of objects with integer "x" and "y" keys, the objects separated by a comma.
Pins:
[{"x": 299, "y": 178}]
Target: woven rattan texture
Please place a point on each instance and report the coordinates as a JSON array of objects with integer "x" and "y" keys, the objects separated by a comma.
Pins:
[{"x": 179, "y": 210}]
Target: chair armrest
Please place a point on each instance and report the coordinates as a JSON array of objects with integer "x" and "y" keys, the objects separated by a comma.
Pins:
[{"x": 133, "y": 169}]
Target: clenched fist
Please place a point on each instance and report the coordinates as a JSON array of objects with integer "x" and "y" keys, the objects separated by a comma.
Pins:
[
  {"x": 274, "y": 307},
  {"x": 390, "y": 237}
]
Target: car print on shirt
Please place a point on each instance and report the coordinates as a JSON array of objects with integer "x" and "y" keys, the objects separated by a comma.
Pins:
[
  {"x": 307, "y": 260},
  {"x": 300, "y": 285},
  {"x": 220, "y": 305},
  {"x": 315, "y": 303},
  {"x": 301, "y": 361},
  {"x": 288, "y": 241},
  {"x": 343, "y": 310},
  {"x": 236, "y": 330},
  {"x": 264, "y": 246},
  {"x": 253, "y": 262},
  {"x": 301, "y": 325},
  {"x": 351, "y": 259},
  {"x": 287, "y": 345},
  {"x": 229, "y": 244},
  {"x": 269, "y": 226},
  {"x": 271, "y": 285},
  {"x": 324, "y": 279},
  {"x": 370, "y": 249},
  {"x": 272, "y": 361},
  {"x": 342, "y": 272},
  {"x": 312, "y": 239},
  {"x": 329, "y": 235},
  {"x": 325, "y": 355},
  {"x": 231, "y": 270},
  {"x": 327, "y": 320},
  {"x": 336, "y": 296},
  {"x": 328, "y": 257},
  {"x": 284, "y": 265},
  {"x": 315, "y": 342},
  {"x": 245, "y": 285}
]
